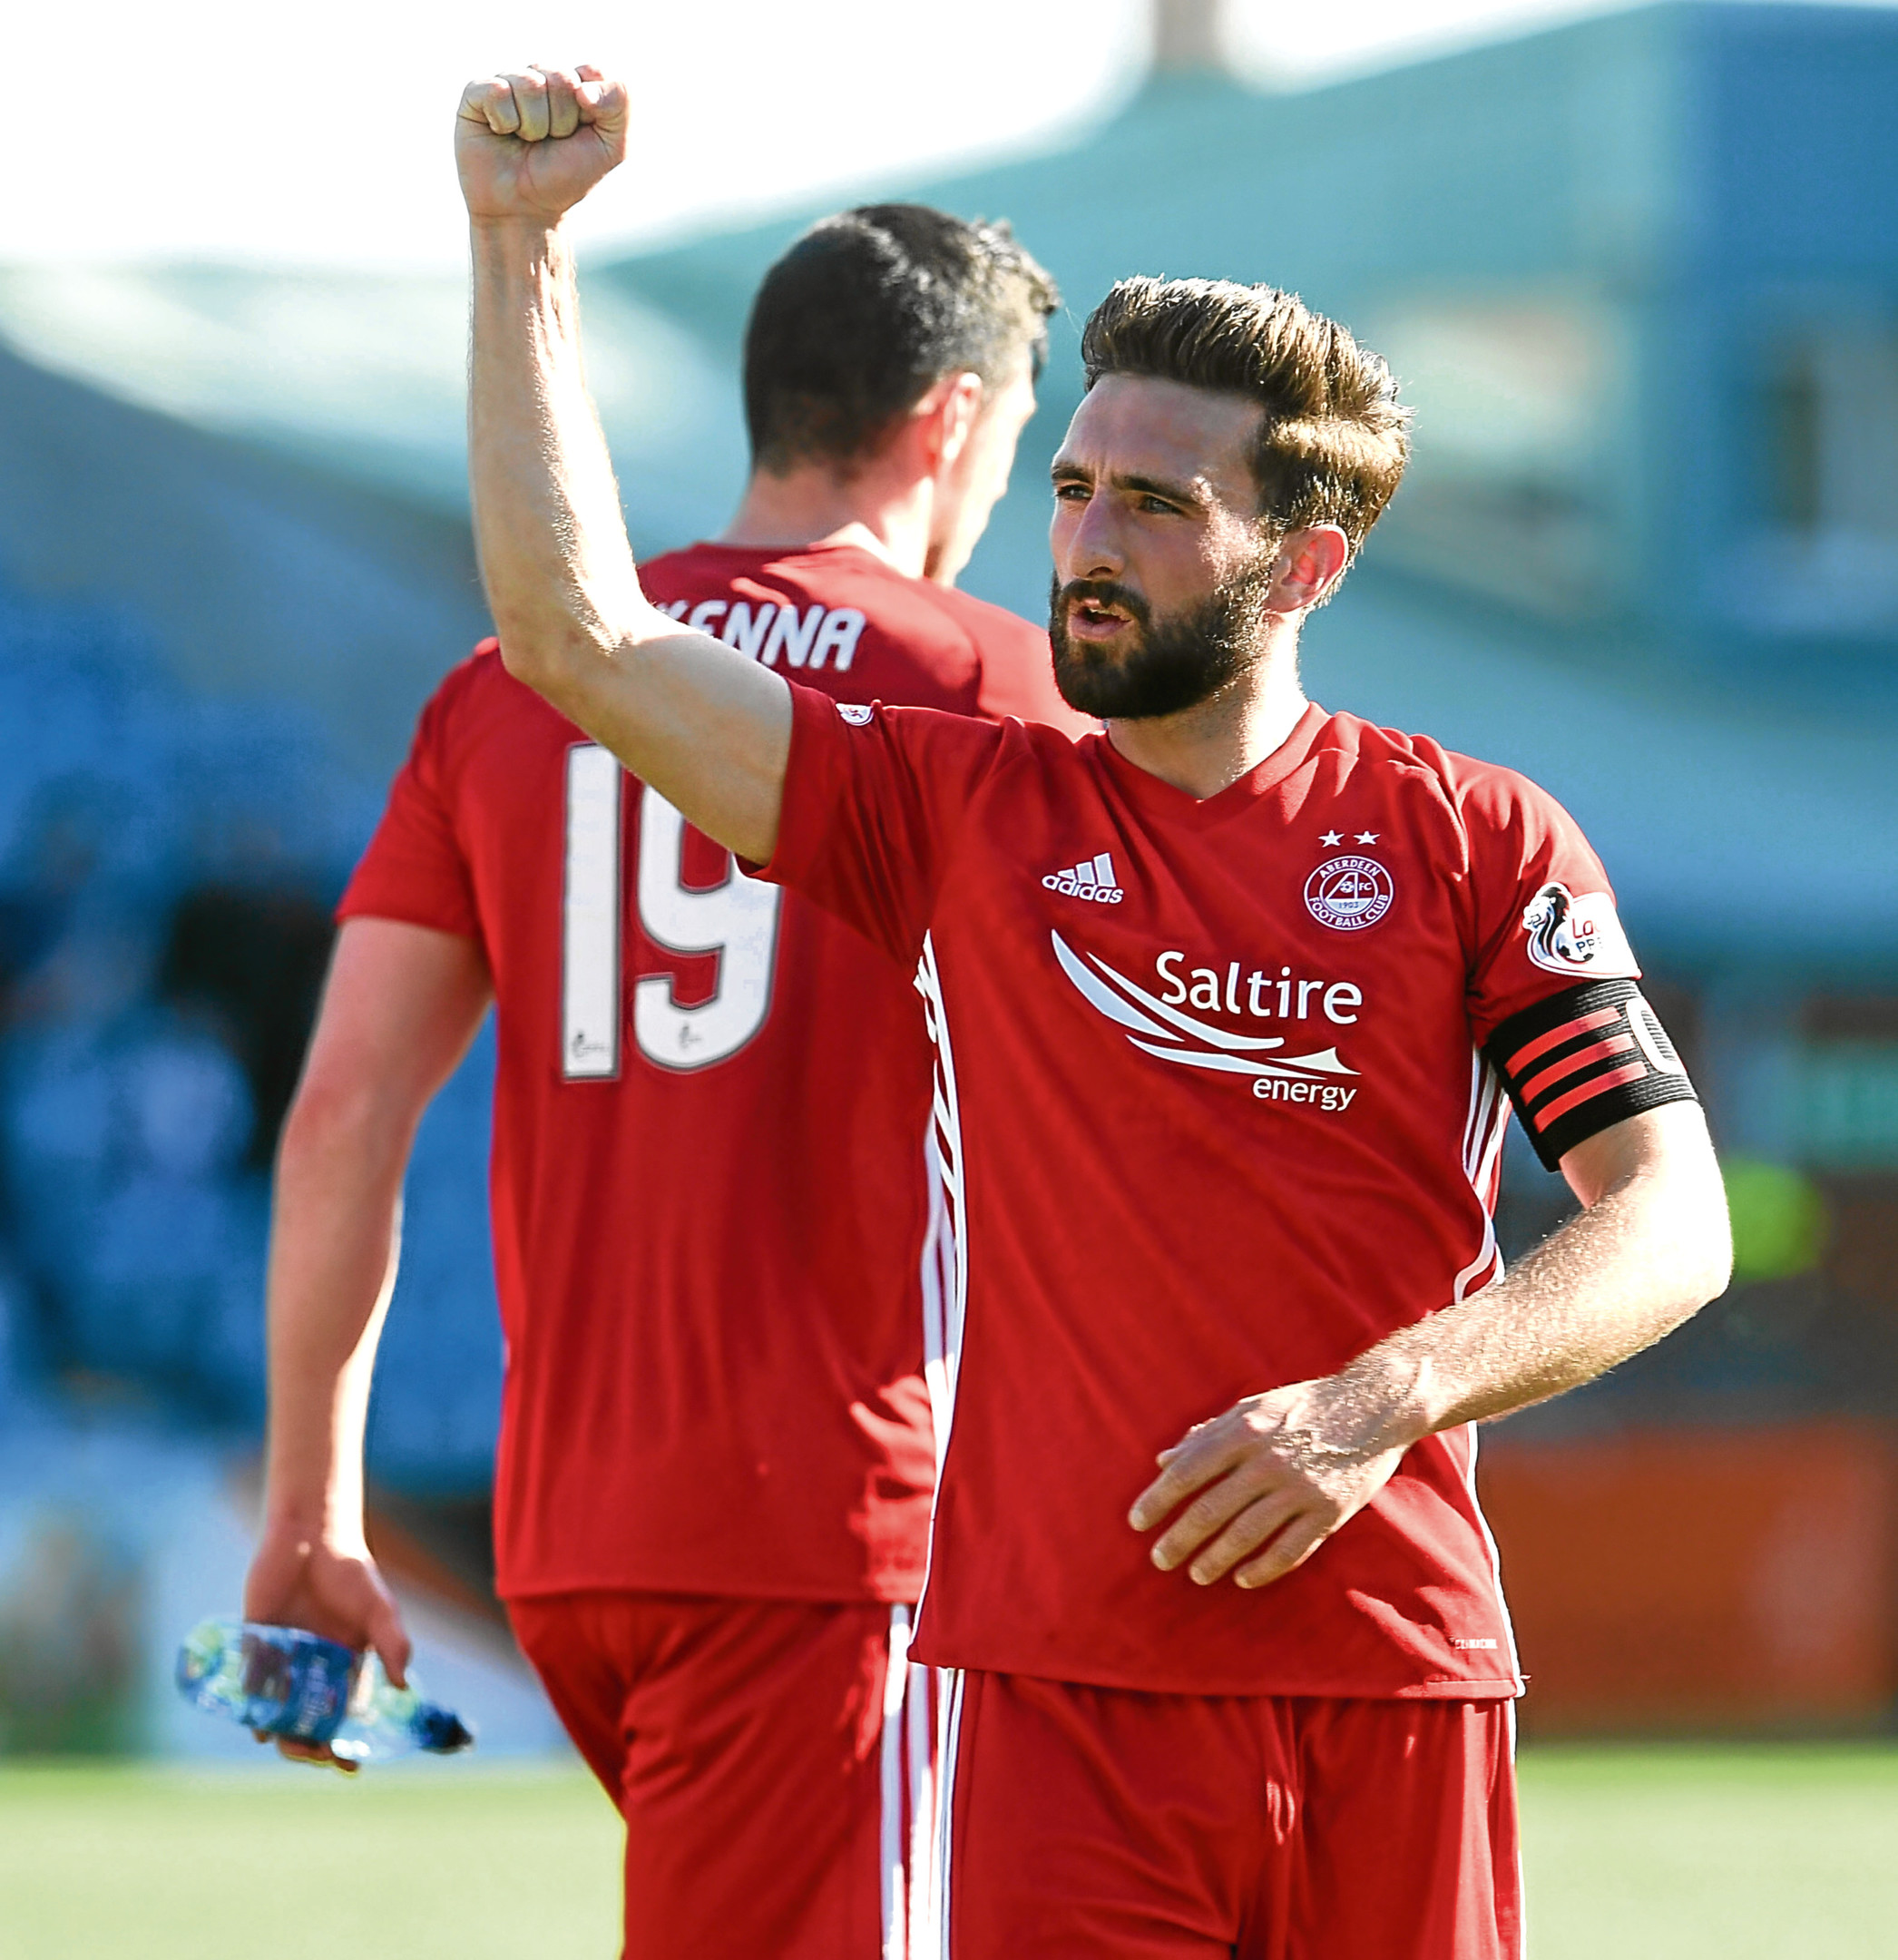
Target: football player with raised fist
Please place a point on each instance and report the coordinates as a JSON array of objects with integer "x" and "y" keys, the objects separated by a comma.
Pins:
[{"x": 1230, "y": 1002}]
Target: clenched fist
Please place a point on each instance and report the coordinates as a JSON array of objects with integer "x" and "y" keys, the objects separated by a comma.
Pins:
[{"x": 531, "y": 145}]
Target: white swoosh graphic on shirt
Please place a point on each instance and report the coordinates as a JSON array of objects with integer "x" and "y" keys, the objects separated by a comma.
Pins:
[
  {"x": 1324, "y": 1062},
  {"x": 1097, "y": 996},
  {"x": 1293, "y": 1066}
]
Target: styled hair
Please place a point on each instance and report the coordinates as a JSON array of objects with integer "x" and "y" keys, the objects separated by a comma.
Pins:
[
  {"x": 868, "y": 311},
  {"x": 1334, "y": 438}
]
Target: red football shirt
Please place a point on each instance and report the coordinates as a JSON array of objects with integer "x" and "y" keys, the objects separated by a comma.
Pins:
[
  {"x": 709, "y": 1185},
  {"x": 1213, "y": 1119}
]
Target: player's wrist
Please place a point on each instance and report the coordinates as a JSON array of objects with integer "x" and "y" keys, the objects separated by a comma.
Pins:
[
  {"x": 516, "y": 234},
  {"x": 523, "y": 263},
  {"x": 1382, "y": 1402},
  {"x": 330, "y": 1519}
]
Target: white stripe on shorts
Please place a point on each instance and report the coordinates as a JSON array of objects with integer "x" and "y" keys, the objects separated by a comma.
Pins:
[
  {"x": 892, "y": 1844},
  {"x": 906, "y": 1767},
  {"x": 935, "y": 1945}
]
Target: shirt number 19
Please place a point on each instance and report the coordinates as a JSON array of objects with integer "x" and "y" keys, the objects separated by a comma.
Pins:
[{"x": 735, "y": 920}]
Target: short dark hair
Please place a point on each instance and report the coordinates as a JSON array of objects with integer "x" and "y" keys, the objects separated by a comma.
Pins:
[
  {"x": 868, "y": 311},
  {"x": 1334, "y": 438}
]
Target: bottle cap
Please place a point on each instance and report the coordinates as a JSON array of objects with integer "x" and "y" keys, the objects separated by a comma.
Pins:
[{"x": 441, "y": 1731}]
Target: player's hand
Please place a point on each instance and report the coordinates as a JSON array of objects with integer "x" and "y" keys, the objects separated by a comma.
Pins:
[
  {"x": 298, "y": 1580},
  {"x": 531, "y": 145},
  {"x": 1263, "y": 1484}
]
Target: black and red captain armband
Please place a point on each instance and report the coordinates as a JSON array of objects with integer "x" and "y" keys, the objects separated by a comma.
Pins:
[{"x": 1584, "y": 1059}]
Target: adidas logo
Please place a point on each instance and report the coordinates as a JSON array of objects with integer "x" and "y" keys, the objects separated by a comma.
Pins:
[{"x": 1092, "y": 879}]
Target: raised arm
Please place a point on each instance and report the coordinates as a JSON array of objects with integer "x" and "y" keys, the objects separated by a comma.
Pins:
[
  {"x": 709, "y": 728},
  {"x": 1283, "y": 1470}
]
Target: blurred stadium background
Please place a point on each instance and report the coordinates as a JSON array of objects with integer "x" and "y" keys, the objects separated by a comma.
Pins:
[{"x": 1638, "y": 273}]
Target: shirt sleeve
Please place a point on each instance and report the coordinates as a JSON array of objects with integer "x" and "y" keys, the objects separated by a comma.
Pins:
[
  {"x": 874, "y": 801},
  {"x": 1554, "y": 995},
  {"x": 415, "y": 870}
]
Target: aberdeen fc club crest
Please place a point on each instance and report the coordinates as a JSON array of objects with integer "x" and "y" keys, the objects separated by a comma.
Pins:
[{"x": 1349, "y": 894}]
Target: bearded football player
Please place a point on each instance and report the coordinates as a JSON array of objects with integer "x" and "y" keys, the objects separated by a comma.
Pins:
[
  {"x": 1230, "y": 1002},
  {"x": 713, "y": 1221}
]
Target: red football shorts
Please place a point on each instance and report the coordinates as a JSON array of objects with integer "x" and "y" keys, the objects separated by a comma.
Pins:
[
  {"x": 1089, "y": 1821},
  {"x": 771, "y": 1759}
]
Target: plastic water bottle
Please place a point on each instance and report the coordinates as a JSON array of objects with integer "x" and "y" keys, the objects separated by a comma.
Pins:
[{"x": 305, "y": 1689}]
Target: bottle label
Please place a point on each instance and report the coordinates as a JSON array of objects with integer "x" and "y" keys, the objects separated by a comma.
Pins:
[{"x": 295, "y": 1684}]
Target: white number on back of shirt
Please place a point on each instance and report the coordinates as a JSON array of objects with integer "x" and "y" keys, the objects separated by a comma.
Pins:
[{"x": 735, "y": 920}]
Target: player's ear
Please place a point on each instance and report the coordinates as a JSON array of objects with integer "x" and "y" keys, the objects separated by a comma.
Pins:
[
  {"x": 948, "y": 415},
  {"x": 1311, "y": 561}
]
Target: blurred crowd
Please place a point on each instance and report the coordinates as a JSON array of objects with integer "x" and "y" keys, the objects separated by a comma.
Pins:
[{"x": 167, "y": 864}]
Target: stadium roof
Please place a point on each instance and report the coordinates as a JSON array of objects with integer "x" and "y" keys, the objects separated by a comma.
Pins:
[
  {"x": 363, "y": 374},
  {"x": 257, "y": 574}
]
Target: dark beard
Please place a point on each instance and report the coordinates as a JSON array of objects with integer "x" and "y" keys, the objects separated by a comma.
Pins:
[{"x": 1176, "y": 665}]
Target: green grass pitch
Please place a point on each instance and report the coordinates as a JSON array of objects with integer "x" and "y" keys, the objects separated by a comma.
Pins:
[
  {"x": 1652, "y": 1853},
  {"x": 1756, "y": 1853}
]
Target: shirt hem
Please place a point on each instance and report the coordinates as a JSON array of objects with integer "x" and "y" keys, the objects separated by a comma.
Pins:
[
  {"x": 1434, "y": 1688},
  {"x": 349, "y": 907},
  {"x": 903, "y": 1591}
]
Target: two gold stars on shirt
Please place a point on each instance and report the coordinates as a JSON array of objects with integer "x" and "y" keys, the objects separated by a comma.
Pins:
[{"x": 1333, "y": 839}]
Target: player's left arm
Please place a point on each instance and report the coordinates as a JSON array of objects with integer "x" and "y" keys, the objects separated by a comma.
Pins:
[{"x": 1256, "y": 1491}]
